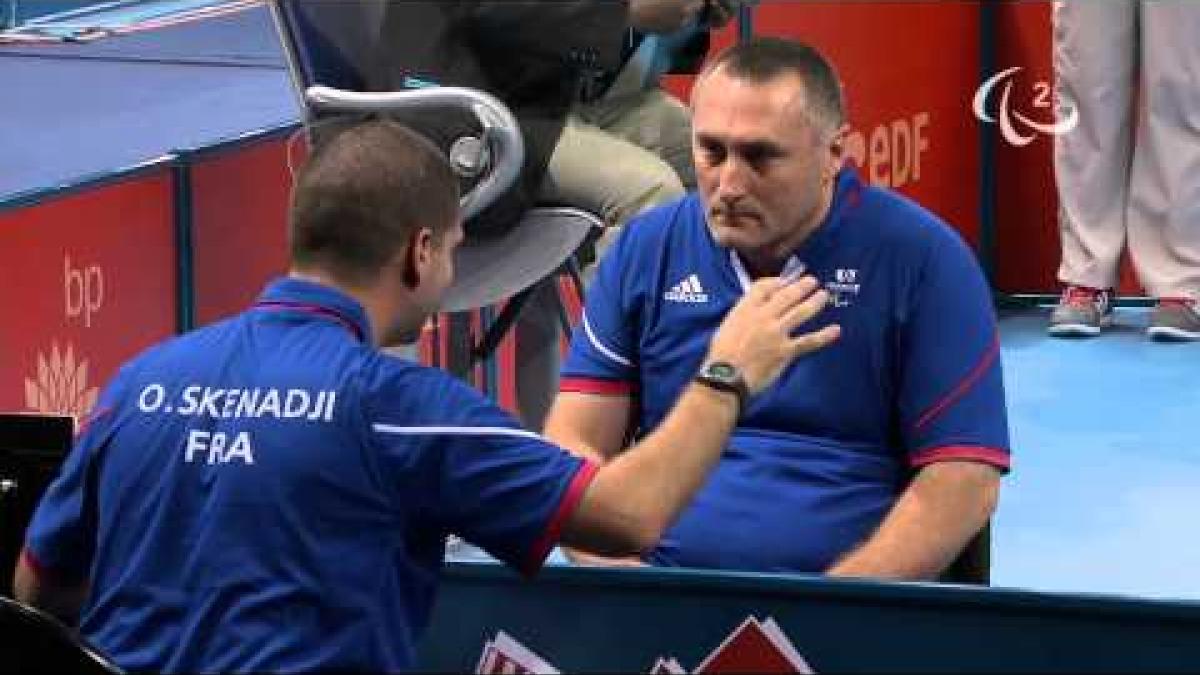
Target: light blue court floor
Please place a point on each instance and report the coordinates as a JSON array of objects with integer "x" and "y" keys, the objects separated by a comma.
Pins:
[{"x": 1104, "y": 495}]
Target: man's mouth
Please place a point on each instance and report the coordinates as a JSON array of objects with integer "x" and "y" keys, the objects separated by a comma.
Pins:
[{"x": 728, "y": 216}]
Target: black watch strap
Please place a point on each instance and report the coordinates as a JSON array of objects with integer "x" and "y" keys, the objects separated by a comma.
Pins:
[{"x": 725, "y": 377}]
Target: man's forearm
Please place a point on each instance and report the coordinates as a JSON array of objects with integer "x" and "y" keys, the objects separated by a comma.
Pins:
[
  {"x": 62, "y": 602},
  {"x": 945, "y": 505},
  {"x": 645, "y": 488}
]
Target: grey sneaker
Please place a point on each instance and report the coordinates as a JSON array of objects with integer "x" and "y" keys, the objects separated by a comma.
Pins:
[
  {"x": 1081, "y": 312},
  {"x": 1175, "y": 320}
]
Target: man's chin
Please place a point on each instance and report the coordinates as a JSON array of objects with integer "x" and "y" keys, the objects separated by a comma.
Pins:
[
  {"x": 726, "y": 237},
  {"x": 726, "y": 230}
]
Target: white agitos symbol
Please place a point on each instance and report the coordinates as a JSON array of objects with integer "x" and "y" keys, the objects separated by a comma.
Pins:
[{"x": 1007, "y": 115}]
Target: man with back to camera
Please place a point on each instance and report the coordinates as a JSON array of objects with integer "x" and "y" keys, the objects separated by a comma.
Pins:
[
  {"x": 272, "y": 493},
  {"x": 879, "y": 456}
]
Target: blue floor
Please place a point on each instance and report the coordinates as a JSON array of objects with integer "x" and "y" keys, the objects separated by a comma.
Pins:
[
  {"x": 1106, "y": 476},
  {"x": 84, "y": 110}
]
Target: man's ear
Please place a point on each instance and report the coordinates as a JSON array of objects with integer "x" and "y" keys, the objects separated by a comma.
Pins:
[
  {"x": 418, "y": 253},
  {"x": 837, "y": 152}
]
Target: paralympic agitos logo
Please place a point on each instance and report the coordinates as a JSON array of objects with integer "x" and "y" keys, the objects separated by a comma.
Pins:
[{"x": 1017, "y": 128}]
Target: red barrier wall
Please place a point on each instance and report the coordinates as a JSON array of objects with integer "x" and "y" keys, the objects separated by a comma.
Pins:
[
  {"x": 240, "y": 201},
  {"x": 1026, "y": 204},
  {"x": 89, "y": 280},
  {"x": 909, "y": 70},
  {"x": 1026, "y": 229}
]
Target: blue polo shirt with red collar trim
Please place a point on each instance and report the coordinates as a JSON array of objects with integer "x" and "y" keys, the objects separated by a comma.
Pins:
[
  {"x": 272, "y": 493},
  {"x": 818, "y": 459}
]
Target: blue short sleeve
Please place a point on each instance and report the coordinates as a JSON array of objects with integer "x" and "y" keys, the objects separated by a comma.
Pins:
[
  {"x": 464, "y": 464},
  {"x": 603, "y": 353},
  {"x": 951, "y": 385},
  {"x": 61, "y": 539}
]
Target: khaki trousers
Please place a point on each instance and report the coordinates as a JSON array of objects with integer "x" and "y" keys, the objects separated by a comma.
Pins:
[{"x": 1126, "y": 175}]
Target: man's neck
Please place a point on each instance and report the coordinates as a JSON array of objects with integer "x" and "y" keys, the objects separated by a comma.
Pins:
[
  {"x": 759, "y": 264},
  {"x": 376, "y": 304}
]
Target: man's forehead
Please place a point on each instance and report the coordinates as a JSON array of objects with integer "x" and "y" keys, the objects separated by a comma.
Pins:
[
  {"x": 783, "y": 95},
  {"x": 784, "y": 87},
  {"x": 752, "y": 113}
]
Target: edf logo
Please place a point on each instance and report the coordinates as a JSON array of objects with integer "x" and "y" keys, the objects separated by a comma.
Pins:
[{"x": 1010, "y": 119}]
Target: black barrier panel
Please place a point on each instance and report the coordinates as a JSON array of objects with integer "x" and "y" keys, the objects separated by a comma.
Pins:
[
  {"x": 33, "y": 642},
  {"x": 624, "y": 620},
  {"x": 32, "y": 447}
]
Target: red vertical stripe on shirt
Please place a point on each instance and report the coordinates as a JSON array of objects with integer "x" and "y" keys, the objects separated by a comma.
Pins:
[{"x": 541, "y": 548}]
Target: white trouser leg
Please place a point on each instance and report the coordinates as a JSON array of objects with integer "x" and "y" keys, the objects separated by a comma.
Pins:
[
  {"x": 651, "y": 119},
  {"x": 1164, "y": 199},
  {"x": 1095, "y": 48}
]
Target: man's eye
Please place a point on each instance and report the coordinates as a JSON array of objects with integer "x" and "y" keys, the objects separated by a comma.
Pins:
[
  {"x": 758, "y": 157},
  {"x": 713, "y": 154}
]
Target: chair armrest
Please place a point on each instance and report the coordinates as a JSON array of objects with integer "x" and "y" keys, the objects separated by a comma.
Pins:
[{"x": 503, "y": 145}]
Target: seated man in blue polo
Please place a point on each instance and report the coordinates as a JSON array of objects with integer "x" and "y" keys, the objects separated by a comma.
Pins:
[
  {"x": 880, "y": 456},
  {"x": 272, "y": 493}
]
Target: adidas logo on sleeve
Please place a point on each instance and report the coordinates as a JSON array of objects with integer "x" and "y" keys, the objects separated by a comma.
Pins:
[{"x": 688, "y": 290}]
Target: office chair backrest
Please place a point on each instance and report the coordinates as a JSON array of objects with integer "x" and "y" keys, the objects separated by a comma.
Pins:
[
  {"x": 32, "y": 641},
  {"x": 534, "y": 57},
  {"x": 329, "y": 43},
  {"x": 371, "y": 46}
]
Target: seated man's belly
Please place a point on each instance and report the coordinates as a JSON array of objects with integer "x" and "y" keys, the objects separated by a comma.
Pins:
[{"x": 783, "y": 504}]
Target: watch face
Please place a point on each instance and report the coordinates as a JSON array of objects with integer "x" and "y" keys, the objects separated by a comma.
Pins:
[
  {"x": 725, "y": 376},
  {"x": 722, "y": 370}
]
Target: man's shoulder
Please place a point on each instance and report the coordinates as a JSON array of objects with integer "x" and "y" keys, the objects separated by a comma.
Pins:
[
  {"x": 190, "y": 346},
  {"x": 898, "y": 220},
  {"x": 678, "y": 221},
  {"x": 391, "y": 379},
  {"x": 923, "y": 251}
]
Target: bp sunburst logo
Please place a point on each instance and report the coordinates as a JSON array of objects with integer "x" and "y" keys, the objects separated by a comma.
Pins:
[{"x": 60, "y": 386}]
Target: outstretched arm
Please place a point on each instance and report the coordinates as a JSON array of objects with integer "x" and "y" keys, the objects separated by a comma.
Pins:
[
  {"x": 945, "y": 505},
  {"x": 592, "y": 426}
]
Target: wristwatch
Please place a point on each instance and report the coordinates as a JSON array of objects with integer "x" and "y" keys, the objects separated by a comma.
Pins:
[{"x": 724, "y": 376}]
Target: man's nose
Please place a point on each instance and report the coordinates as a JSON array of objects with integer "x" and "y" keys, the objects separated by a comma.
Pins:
[{"x": 733, "y": 180}]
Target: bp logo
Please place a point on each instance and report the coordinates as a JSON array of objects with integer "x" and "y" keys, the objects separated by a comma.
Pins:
[
  {"x": 1017, "y": 128},
  {"x": 60, "y": 386}
]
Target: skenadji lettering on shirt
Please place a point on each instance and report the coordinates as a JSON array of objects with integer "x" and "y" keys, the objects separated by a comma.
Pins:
[
  {"x": 234, "y": 446},
  {"x": 218, "y": 403}
]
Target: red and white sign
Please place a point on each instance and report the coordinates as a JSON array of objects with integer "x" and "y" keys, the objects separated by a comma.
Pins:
[
  {"x": 505, "y": 656},
  {"x": 753, "y": 647},
  {"x": 88, "y": 282},
  {"x": 240, "y": 200}
]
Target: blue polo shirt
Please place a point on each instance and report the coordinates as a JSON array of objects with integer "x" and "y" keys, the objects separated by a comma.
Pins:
[
  {"x": 817, "y": 460},
  {"x": 272, "y": 493}
]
